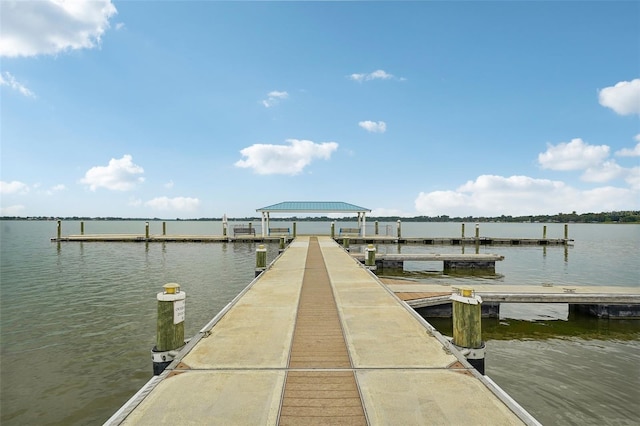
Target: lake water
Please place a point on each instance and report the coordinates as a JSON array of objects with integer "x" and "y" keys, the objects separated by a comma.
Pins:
[{"x": 77, "y": 320}]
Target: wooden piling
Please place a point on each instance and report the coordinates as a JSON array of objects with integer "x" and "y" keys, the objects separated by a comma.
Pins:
[
  {"x": 463, "y": 230},
  {"x": 282, "y": 243},
  {"x": 146, "y": 230},
  {"x": 261, "y": 259},
  {"x": 566, "y": 232},
  {"x": 170, "y": 326},
  {"x": 294, "y": 230},
  {"x": 544, "y": 232},
  {"x": 345, "y": 243},
  {"x": 82, "y": 228},
  {"x": 333, "y": 229},
  {"x": 370, "y": 257},
  {"x": 399, "y": 229},
  {"x": 467, "y": 326},
  {"x": 59, "y": 229},
  {"x": 376, "y": 228},
  {"x": 164, "y": 228}
]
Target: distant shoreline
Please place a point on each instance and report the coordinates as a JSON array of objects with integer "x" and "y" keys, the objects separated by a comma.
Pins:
[{"x": 604, "y": 217}]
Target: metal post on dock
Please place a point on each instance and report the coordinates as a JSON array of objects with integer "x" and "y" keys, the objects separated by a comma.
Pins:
[
  {"x": 261, "y": 259},
  {"x": 370, "y": 257},
  {"x": 399, "y": 229},
  {"x": 170, "y": 326},
  {"x": 467, "y": 326},
  {"x": 146, "y": 230},
  {"x": 82, "y": 228}
]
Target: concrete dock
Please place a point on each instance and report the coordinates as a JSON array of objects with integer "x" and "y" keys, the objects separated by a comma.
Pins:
[{"x": 317, "y": 339}]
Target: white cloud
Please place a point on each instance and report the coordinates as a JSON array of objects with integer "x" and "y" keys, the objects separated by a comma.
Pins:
[
  {"x": 290, "y": 159},
  {"x": 56, "y": 188},
  {"x": 375, "y": 75},
  {"x": 12, "y": 210},
  {"x": 169, "y": 184},
  {"x": 119, "y": 175},
  {"x": 373, "y": 127},
  {"x": 633, "y": 152},
  {"x": 183, "y": 204},
  {"x": 633, "y": 178},
  {"x": 491, "y": 195},
  {"x": 31, "y": 28},
  {"x": 274, "y": 97},
  {"x": 575, "y": 155},
  {"x": 623, "y": 98},
  {"x": 604, "y": 172},
  {"x": 7, "y": 79},
  {"x": 13, "y": 187}
]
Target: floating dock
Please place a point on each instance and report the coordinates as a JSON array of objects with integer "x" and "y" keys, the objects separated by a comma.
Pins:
[
  {"x": 600, "y": 301},
  {"x": 450, "y": 261},
  {"x": 317, "y": 339},
  {"x": 374, "y": 239}
]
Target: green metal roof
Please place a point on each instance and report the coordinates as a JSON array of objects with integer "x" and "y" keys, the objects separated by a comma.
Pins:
[{"x": 313, "y": 207}]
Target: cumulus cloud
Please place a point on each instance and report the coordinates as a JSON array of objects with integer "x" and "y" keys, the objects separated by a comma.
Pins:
[
  {"x": 574, "y": 155},
  {"x": 375, "y": 75},
  {"x": 604, "y": 172},
  {"x": 274, "y": 97},
  {"x": 623, "y": 98},
  {"x": 7, "y": 79},
  {"x": 118, "y": 175},
  {"x": 31, "y": 28},
  {"x": 182, "y": 204},
  {"x": 13, "y": 187},
  {"x": 291, "y": 159},
  {"x": 373, "y": 127},
  {"x": 633, "y": 152},
  {"x": 491, "y": 195}
]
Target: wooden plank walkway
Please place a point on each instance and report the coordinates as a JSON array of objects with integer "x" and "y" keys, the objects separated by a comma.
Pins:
[{"x": 317, "y": 339}]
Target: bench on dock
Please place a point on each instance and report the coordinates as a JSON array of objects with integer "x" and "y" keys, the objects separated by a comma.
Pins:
[
  {"x": 279, "y": 231},
  {"x": 243, "y": 230},
  {"x": 349, "y": 231}
]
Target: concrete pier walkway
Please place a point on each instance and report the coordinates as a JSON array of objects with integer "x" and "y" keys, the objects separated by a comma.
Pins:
[{"x": 317, "y": 339}]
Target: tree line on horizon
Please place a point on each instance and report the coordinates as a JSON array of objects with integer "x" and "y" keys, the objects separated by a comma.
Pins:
[{"x": 631, "y": 216}]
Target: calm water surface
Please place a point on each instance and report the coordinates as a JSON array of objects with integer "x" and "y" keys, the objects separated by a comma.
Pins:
[{"x": 77, "y": 320}]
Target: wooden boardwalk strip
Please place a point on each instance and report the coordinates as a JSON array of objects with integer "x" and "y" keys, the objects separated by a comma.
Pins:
[{"x": 325, "y": 392}]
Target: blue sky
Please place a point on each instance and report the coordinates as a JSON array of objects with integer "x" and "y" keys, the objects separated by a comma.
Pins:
[{"x": 184, "y": 109}]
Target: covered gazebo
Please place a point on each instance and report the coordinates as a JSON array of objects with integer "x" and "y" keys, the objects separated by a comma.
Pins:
[{"x": 313, "y": 207}]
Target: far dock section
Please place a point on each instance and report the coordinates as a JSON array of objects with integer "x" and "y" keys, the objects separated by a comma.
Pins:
[
  {"x": 249, "y": 233},
  {"x": 317, "y": 339}
]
